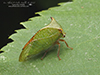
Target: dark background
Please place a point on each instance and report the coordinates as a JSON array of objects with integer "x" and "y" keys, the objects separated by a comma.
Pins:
[{"x": 12, "y": 16}]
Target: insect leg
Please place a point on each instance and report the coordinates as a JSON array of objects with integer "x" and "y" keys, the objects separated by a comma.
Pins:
[
  {"x": 58, "y": 50},
  {"x": 65, "y": 43},
  {"x": 47, "y": 51},
  {"x": 44, "y": 54}
]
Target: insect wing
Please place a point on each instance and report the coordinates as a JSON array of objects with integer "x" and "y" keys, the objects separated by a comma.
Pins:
[{"x": 42, "y": 40}]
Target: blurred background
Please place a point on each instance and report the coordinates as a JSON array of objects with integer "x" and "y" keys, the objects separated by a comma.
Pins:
[{"x": 15, "y": 11}]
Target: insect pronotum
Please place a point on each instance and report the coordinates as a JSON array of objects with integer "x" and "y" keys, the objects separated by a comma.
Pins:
[{"x": 44, "y": 40}]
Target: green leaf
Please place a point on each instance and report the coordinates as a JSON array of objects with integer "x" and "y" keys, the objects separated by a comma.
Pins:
[{"x": 80, "y": 21}]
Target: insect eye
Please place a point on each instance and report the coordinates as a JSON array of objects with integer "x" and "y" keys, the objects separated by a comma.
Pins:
[{"x": 63, "y": 35}]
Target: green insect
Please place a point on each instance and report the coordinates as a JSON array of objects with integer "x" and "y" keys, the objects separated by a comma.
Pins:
[{"x": 44, "y": 40}]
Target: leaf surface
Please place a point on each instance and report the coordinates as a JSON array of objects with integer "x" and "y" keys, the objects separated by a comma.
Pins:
[{"x": 80, "y": 20}]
